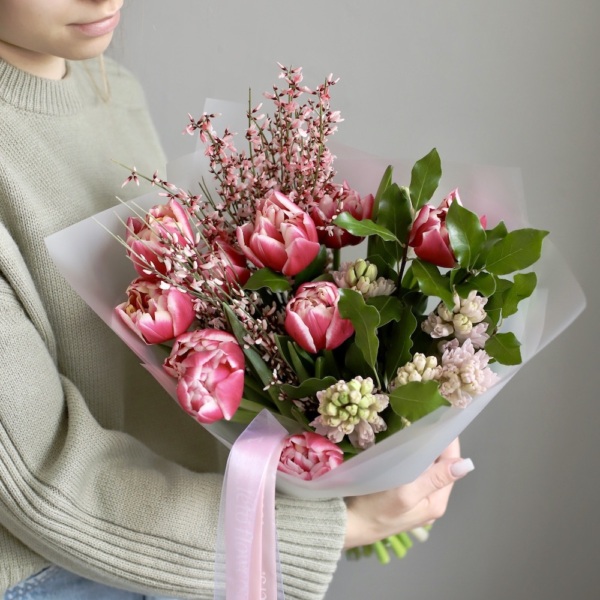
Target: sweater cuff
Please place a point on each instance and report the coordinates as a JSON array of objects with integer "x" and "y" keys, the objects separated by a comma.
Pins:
[{"x": 311, "y": 537}]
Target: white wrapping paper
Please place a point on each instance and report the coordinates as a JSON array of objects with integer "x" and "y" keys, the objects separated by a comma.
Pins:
[{"x": 96, "y": 266}]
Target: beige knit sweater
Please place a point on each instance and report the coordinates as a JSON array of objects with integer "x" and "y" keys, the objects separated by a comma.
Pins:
[{"x": 100, "y": 471}]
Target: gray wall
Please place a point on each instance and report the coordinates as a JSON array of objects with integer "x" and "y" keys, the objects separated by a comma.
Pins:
[{"x": 506, "y": 82}]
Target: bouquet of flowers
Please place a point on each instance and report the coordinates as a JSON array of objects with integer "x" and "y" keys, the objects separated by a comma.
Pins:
[{"x": 242, "y": 300}]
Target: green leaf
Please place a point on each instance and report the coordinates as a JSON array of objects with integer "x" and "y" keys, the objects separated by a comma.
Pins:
[
  {"x": 326, "y": 365},
  {"x": 518, "y": 250},
  {"x": 467, "y": 236},
  {"x": 417, "y": 399},
  {"x": 307, "y": 388},
  {"x": 484, "y": 283},
  {"x": 385, "y": 182},
  {"x": 495, "y": 302},
  {"x": 363, "y": 228},
  {"x": 493, "y": 236},
  {"x": 524, "y": 284},
  {"x": 424, "y": 179},
  {"x": 265, "y": 278},
  {"x": 355, "y": 363},
  {"x": 365, "y": 320},
  {"x": 396, "y": 215},
  {"x": 390, "y": 308},
  {"x": 299, "y": 362},
  {"x": 398, "y": 343},
  {"x": 432, "y": 282},
  {"x": 505, "y": 348}
]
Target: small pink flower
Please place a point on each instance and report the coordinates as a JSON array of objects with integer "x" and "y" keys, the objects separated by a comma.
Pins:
[
  {"x": 225, "y": 262},
  {"x": 283, "y": 237},
  {"x": 156, "y": 314},
  {"x": 331, "y": 205},
  {"x": 148, "y": 238},
  {"x": 312, "y": 317},
  {"x": 308, "y": 456},
  {"x": 210, "y": 367}
]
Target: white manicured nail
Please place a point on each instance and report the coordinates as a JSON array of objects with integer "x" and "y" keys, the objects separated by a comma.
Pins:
[{"x": 462, "y": 467}]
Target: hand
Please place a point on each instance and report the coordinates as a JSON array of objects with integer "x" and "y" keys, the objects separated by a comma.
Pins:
[{"x": 374, "y": 517}]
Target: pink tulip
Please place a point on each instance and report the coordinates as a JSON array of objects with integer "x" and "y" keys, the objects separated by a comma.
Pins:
[
  {"x": 283, "y": 237},
  {"x": 156, "y": 314},
  {"x": 308, "y": 456},
  {"x": 226, "y": 262},
  {"x": 313, "y": 320},
  {"x": 330, "y": 205},
  {"x": 147, "y": 238},
  {"x": 429, "y": 235},
  {"x": 210, "y": 367}
]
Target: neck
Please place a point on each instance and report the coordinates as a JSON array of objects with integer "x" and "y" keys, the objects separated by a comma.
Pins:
[{"x": 41, "y": 65}]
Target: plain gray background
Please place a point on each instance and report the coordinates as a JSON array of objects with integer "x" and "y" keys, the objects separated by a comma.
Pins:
[{"x": 504, "y": 82}]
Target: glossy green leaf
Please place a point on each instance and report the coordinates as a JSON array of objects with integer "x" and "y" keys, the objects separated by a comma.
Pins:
[
  {"x": 265, "y": 278},
  {"x": 505, "y": 348},
  {"x": 484, "y": 283},
  {"x": 523, "y": 286},
  {"x": 385, "y": 182},
  {"x": 363, "y": 228},
  {"x": 432, "y": 282},
  {"x": 308, "y": 387},
  {"x": 467, "y": 236},
  {"x": 396, "y": 215},
  {"x": 390, "y": 308},
  {"x": 518, "y": 250},
  {"x": 424, "y": 179},
  {"x": 398, "y": 343},
  {"x": 416, "y": 399},
  {"x": 365, "y": 320}
]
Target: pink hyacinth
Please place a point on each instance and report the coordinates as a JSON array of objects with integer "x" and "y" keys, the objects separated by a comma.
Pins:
[
  {"x": 465, "y": 373},
  {"x": 313, "y": 320},
  {"x": 282, "y": 237},
  {"x": 150, "y": 239},
  {"x": 156, "y": 314},
  {"x": 308, "y": 456},
  {"x": 209, "y": 365}
]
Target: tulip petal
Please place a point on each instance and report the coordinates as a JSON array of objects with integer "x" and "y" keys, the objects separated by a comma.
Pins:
[{"x": 299, "y": 332}]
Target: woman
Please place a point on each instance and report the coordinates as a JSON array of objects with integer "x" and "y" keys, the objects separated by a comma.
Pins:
[{"x": 107, "y": 490}]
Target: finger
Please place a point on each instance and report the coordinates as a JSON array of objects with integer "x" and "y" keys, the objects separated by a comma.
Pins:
[
  {"x": 439, "y": 476},
  {"x": 452, "y": 451}
]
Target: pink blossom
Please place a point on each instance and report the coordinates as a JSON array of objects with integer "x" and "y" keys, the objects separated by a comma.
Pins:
[
  {"x": 429, "y": 235},
  {"x": 465, "y": 373},
  {"x": 283, "y": 237},
  {"x": 312, "y": 317},
  {"x": 156, "y": 314},
  {"x": 210, "y": 367},
  {"x": 226, "y": 262},
  {"x": 308, "y": 456},
  {"x": 338, "y": 201},
  {"x": 149, "y": 239}
]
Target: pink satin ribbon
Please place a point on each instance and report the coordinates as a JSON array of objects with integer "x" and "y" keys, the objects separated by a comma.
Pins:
[{"x": 246, "y": 561}]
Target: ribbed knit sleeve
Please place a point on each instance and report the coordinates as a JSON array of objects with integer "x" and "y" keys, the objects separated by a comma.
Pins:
[{"x": 100, "y": 472}]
